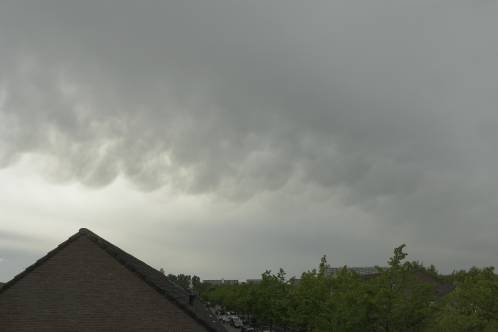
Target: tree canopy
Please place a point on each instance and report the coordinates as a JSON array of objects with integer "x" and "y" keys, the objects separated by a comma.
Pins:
[{"x": 404, "y": 296}]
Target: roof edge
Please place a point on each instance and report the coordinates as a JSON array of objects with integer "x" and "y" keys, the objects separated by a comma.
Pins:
[
  {"x": 40, "y": 261},
  {"x": 103, "y": 244}
]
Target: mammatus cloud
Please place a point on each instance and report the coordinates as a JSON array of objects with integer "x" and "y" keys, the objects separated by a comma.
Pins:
[
  {"x": 246, "y": 95},
  {"x": 389, "y": 105}
]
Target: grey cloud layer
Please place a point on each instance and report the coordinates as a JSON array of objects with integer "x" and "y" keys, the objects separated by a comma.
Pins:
[{"x": 392, "y": 103}]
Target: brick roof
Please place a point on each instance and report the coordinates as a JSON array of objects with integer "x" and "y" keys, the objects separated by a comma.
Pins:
[{"x": 184, "y": 299}]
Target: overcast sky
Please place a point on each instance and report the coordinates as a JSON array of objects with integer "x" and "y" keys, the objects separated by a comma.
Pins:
[{"x": 224, "y": 138}]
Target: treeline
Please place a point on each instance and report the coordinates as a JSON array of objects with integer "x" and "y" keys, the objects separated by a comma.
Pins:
[
  {"x": 405, "y": 296},
  {"x": 184, "y": 280},
  {"x": 190, "y": 283}
]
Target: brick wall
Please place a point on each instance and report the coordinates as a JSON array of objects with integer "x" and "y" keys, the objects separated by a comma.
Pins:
[{"x": 82, "y": 288}]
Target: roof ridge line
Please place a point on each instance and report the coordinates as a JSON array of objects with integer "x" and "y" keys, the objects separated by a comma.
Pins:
[
  {"x": 109, "y": 248},
  {"x": 38, "y": 262}
]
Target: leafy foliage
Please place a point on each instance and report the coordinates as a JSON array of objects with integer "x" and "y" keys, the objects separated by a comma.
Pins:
[
  {"x": 473, "y": 305},
  {"x": 401, "y": 297}
]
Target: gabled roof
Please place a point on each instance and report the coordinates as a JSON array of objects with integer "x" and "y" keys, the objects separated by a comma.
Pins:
[{"x": 184, "y": 299}]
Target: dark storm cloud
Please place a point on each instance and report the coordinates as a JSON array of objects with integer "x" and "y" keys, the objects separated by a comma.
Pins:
[{"x": 391, "y": 103}]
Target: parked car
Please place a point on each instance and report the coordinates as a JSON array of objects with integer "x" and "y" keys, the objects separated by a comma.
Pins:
[{"x": 236, "y": 322}]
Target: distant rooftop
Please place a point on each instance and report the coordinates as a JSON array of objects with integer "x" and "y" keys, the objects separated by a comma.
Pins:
[
  {"x": 363, "y": 270},
  {"x": 221, "y": 282},
  {"x": 253, "y": 281}
]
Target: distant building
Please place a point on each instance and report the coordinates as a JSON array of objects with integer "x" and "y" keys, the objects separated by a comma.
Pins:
[
  {"x": 253, "y": 281},
  {"x": 362, "y": 271},
  {"x": 215, "y": 282},
  {"x": 218, "y": 282},
  {"x": 88, "y": 284},
  {"x": 230, "y": 282}
]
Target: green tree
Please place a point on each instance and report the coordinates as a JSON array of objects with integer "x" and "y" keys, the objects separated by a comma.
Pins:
[
  {"x": 308, "y": 299},
  {"x": 348, "y": 305},
  {"x": 271, "y": 303},
  {"x": 182, "y": 280},
  {"x": 400, "y": 302},
  {"x": 473, "y": 305},
  {"x": 399, "y": 298}
]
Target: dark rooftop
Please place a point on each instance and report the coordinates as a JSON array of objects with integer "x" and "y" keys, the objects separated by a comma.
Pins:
[{"x": 184, "y": 299}]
